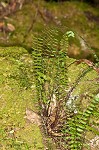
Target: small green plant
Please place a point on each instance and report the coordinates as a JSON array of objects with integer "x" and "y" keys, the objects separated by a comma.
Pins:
[
  {"x": 78, "y": 124},
  {"x": 64, "y": 118}
]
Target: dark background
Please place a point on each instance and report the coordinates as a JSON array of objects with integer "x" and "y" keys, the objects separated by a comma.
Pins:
[{"x": 92, "y": 2}]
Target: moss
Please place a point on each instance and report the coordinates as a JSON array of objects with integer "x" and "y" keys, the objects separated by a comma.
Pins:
[
  {"x": 17, "y": 92},
  {"x": 13, "y": 52},
  {"x": 31, "y": 134},
  {"x": 83, "y": 81}
]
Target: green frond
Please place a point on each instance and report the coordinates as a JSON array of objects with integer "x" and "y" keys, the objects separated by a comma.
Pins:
[
  {"x": 49, "y": 54},
  {"x": 79, "y": 124},
  {"x": 51, "y": 78}
]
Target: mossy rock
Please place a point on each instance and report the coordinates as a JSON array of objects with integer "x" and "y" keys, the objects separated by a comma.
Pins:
[{"x": 17, "y": 92}]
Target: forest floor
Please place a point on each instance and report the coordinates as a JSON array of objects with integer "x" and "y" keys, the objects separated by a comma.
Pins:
[{"x": 17, "y": 88}]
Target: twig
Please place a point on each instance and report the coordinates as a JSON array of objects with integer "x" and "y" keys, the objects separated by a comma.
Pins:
[{"x": 32, "y": 24}]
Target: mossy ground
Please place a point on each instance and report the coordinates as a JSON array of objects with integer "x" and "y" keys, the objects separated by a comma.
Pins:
[{"x": 17, "y": 92}]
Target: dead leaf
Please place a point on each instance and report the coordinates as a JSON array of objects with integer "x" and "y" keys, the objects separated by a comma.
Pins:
[
  {"x": 6, "y": 27},
  {"x": 10, "y": 27},
  {"x": 33, "y": 117},
  {"x": 3, "y": 4}
]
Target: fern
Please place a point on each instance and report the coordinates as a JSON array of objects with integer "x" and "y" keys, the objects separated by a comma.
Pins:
[
  {"x": 50, "y": 50},
  {"x": 51, "y": 78},
  {"x": 78, "y": 124}
]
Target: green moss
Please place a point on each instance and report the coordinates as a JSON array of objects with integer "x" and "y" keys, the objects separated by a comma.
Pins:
[
  {"x": 17, "y": 92},
  {"x": 83, "y": 80},
  {"x": 31, "y": 134},
  {"x": 13, "y": 52}
]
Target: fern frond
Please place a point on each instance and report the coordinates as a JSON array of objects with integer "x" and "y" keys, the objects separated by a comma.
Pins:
[
  {"x": 51, "y": 78},
  {"x": 78, "y": 124},
  {"x": 49, "y": 54}
]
